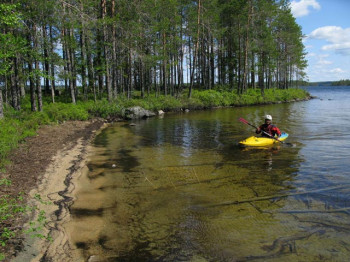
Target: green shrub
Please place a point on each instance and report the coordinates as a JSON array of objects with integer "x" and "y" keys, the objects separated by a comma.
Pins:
[
  {"x": 59, "y": 112},
  {"x": 209, "y": 98},
  {"x": 103, "y": 108}
]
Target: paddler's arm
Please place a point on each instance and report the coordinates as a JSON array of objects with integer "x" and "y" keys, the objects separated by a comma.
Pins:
[
  {"x": 258, "y": 130},
  {"x": 277, "y": 131}
]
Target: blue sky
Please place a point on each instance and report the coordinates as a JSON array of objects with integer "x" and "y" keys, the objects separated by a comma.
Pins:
[{"x": 326, "y": 26}]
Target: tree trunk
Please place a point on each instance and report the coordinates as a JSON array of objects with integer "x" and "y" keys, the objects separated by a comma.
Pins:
[
  {"x": 129, "y": 75},
  {"x": 37, "y": 69},
  {"x": 70, "y": 73},
  {"x": 1, "y": 106},
  {"x": 230, "y": 63},
  {"x": 106, "y": 51},
  {"x": 239, "y": 84},
  {"x": 72, "y": 58},
  {"x": 261, "y": 74},
  {"x": 165, "y": 81},
  {"x": 246, "y": 46},
  {"x": 65, "y": 59},
  {"x": 83, "y": 63},
  {"x": 252, "y": 71},
  {"x": 212, "y": 63},
  {"x": 14, "y": 86},
  {"x": 220, "y": 62},
  {"x": 114, "y": 54},
  {"x": 90, "y": 65},
  {"x": 46, "y": 60},
  {"x": 22, "y": 82},
  {"x": 52, "y": 68},
  {"x": 32, "y": 87},
  {"x": 196, "y": 48}
]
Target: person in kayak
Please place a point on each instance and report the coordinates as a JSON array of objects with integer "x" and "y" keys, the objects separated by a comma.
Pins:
[{"x": 268, "y": 128}]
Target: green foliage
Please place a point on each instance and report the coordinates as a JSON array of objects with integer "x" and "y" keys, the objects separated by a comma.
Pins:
[
  {"x": 103, "y": 108},
  {"x": 10, "y": 43},
  {"x": 209, "y": 98},
  {"x": 284, "y": 95},
  {"x": 8, "y": 16},
  {"x": 10, "y": 135},
  {"x": 59, "y": 112},
  {"x": 213, "y": 98},
  {"x": 10, "y": 208}
]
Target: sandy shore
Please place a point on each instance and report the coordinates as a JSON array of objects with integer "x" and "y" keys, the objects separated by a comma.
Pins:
[
  {"x": 54, "y": 181},
  {"x": 57, "y": 188}
]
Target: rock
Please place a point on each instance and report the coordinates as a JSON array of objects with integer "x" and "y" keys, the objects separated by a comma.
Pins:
[
  {"x": 94, "y": 259},
  {"x": 114, "y": 165},
  {"x": 187, "y": 110},
  {"x": 137, "y": 112},
  {"x": 160, "y": 112}
]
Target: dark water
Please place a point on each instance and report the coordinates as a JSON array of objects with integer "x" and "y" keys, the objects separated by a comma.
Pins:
[{"x": 179, "y": 188}]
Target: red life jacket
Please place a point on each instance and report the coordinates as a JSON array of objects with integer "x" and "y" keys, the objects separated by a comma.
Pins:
[{"x": 270, "y": 129}]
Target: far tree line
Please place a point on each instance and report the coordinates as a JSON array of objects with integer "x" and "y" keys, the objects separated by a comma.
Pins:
[
  {"x": 111, "y": 48},
  {"x": 345, "y": 82}
]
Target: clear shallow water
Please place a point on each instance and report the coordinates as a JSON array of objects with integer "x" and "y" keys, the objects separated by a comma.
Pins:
[{"x": 179, "y": 188}]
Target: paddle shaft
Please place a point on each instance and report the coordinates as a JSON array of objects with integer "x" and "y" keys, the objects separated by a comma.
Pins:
[{"x": 246, "y": 122}]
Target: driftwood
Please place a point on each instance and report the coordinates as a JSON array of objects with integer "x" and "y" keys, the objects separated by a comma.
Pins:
[
  {"x": 279, "y": 196},
  {"x": 283, "y": 245},
  {"x": 338, "y": 210}
]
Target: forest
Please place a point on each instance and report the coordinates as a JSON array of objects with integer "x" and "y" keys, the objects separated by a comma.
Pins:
[
  {"x": 107, "y": 49},
  {"x": 344, "y": 82}
]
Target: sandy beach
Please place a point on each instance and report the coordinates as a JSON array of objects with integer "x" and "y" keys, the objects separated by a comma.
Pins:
[{"x": 49, "y": 165}]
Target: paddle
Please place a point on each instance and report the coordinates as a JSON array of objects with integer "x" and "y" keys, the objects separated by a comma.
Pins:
[{"x": 246, "y": 122}]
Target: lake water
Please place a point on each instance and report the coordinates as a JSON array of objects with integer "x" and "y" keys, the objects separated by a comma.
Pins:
[{"x": 179, "y": 188}]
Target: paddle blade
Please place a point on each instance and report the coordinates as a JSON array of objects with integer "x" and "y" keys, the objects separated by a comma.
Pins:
[{"x": 243, "y": 120}]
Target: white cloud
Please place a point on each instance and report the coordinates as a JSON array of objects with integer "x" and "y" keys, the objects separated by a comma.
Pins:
[
  {"x": 325, "y": 74},
  {"x": 321, "y": 56},
  {"x": 339, "y": 47},
  {"x": 333, "y": 34},
  {"x": 325, "y": 62},
  {"x": 301, "y": 8},
  {"x": 338, "y": 37},
  {"x": 311, "y": 54},
  {"x": 321, "y": 62},
  {"x": 337, "y": 70}
]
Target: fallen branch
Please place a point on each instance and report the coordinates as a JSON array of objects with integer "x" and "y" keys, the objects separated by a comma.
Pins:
[
  {"x": 279, "y": 196},
  {"x": 315, "y": 211}
]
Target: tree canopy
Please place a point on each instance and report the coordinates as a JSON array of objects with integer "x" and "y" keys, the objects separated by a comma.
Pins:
[{"x": 108, "y": 48}]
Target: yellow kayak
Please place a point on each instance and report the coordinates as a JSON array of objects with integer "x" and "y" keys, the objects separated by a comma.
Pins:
[{"x": 262, "y": 141}]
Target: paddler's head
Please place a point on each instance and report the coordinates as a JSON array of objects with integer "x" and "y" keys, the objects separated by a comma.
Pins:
[{"x": 268, "y": 119}]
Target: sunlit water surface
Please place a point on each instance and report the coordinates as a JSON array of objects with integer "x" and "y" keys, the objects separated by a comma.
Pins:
[{"x": 179, "y": 188}]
